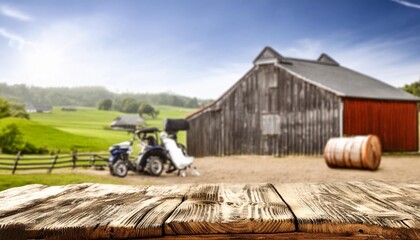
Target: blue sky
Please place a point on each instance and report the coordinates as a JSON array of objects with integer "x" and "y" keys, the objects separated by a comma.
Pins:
[{"x": 198, "y": 47}]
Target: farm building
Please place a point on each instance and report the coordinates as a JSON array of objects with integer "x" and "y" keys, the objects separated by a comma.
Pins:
[
  {"x": 30, "y": 108},
  {"x": 293, "y": 106},
  {"x": 127, "y": 122}
]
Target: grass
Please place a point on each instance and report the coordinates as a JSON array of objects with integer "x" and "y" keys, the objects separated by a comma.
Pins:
[
  {"x": 85, "y": 122},
  {"x": 10, "y": 181},
  {"x": 42, "y": 135},
  {"x": 84, "y": 129}
]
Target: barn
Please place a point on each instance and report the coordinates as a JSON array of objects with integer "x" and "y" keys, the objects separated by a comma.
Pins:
[{"x": 285, "y": 106}]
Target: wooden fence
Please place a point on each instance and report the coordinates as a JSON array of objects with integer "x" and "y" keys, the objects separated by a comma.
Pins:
[{"x": 73, "y": 160}]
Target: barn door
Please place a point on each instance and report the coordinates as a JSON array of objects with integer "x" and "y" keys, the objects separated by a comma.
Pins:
[{"x": 270, "y": 118}]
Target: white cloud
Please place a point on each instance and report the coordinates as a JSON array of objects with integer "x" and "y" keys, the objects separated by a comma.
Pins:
[
  {"x": 15, "y": 41},
  {"x": 14, "y": 13},
  {"x": 407, "y": 3}
]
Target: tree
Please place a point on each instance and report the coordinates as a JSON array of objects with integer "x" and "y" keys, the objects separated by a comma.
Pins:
[
  {"x": 130, "y": 105},
  {"x": 176, "y": 101},
  {"x": 20, "y": 114},
  {"x": 117, "y": 104},
  {"x": 413, "y": 88},
  {"x": 105, "y": 104},
  {"x": 192, "y": 103},
  {"x": 127, "y": 105},
  {"x": 18, "y": 110},
  {"x": 147, "y": 109},
  {"x": 11, "y": 140},
  {"x": 4, "y": 108},
  {"x": 12, "y": 109}
]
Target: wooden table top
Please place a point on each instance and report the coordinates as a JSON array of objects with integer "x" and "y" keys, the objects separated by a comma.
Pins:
[{"x": 351, "y": 210}]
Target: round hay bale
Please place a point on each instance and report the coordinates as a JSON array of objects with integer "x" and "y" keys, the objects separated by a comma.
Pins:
[{"x": 353, "y": 152}]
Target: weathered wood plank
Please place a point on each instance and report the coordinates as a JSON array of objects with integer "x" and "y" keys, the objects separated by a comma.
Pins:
[
  {"x": 289, "y": 236},
  {"x": 12, "y": 231},
  {"x": 354, "y": 210},
  {"x": 389, "y": 210},
  {"x": 228, "y": 208},
  {"x": 403, "y": 198},
  {"x": 26, "y": 197},
  {"x": 99, "y": 211}
]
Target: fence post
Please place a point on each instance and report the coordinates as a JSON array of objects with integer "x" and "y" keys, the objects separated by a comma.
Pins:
[
  {"x": 54, "y": 160},
  {"x": 74, "y": 158},
  {"x": 94, "y": 160},
  {"x": 16, "y": 162},
  {"x": 90, "y": 161}
]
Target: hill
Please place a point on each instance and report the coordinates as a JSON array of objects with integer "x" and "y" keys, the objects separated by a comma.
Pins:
[
  {"x": 85, "y": 129},
  {"x": 41, "y": 135},
  {"x": 86, "y": 122}
]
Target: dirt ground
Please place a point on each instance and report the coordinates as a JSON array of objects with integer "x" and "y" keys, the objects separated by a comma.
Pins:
[{"x": 257, "y": 169}]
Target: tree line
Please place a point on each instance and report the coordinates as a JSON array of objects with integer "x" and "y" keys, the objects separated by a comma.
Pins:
[
  {"x": 89, "y": 96},
  {"x": 128, "y": 105},
  {"x": 413, "y": 88}
]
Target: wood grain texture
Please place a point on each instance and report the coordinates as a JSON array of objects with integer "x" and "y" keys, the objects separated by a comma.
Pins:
[
  {"x": 282, "y": 236},
  {"x": 389, "y": 210},
  {"x": 231, "y": 208},
  {"x": 98, "y": 211},
  {"x": 12, "y": 231},
  {"x": 354, "y": 210},
  {"x": 21, "y": 198}
]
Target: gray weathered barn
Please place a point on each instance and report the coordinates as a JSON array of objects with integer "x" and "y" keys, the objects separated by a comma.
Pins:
[{"x": 293, "y": 106}]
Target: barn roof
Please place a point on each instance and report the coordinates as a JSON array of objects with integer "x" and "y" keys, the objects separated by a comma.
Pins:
[
  {"x": 127, "y": 122},
  {"x": 343, "y": 81}
]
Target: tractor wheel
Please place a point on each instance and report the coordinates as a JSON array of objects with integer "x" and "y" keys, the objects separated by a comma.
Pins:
[
  {"x": 120, "y": 168},
  {"x": 155, "y": 166}
]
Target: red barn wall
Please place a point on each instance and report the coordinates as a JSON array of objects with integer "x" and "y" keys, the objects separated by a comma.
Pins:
[{"x": 394, "y": 122}]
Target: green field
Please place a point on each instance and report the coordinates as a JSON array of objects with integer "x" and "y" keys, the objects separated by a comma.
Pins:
[
  {"x": 9, "y": 181},
  {"x": 85, "y": 129},
  {"x": 42, "y": 135}
]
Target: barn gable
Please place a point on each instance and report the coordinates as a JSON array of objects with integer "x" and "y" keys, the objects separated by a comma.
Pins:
[
  {"x": 324, "y": 58},
  {"x": 267, "y": 56}
]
